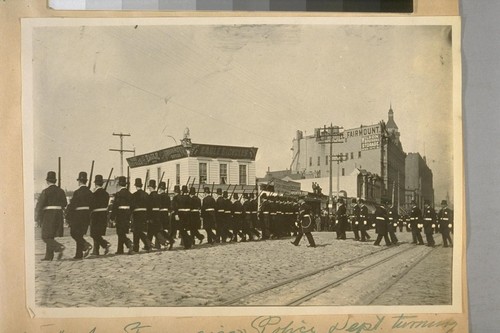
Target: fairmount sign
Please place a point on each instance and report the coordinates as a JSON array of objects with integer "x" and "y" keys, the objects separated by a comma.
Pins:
[{"x": 196, "y": 150}]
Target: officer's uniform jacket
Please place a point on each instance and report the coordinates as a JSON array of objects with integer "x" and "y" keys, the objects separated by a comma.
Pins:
[
  {"x": 154, "y": 212},
  {"x": 220, "y": 205},
  {"x": 247, "y": 209},
  {"x": 184, "y": 210},
  {"x": 305, "y": 218},
  {"x": 341, "y": 215},
  {"x": 228, "y": 212},
  {"x": 140, "y": 207},
  {"x": 445, "y": 217},
  {"x": 120, "y": 211},
  {"x": 99, "y": 216},
  {"x": 254, "y": 207},
  {"x": 429, "y": 219},
  {"x": 264, "y": 211},
  {"x": 164, "y": 199},
  {"x": 79, "y": 208},
  {"x": 393, "y": 216},
  {"x": 363, "y": 217},
  {"x": 381, "y": 221},
  {"x": 49, "y": 210},
  {"x": 356, "y": 212},
  {"x": 416, "y": 218},
  {"x": 238, "y": 214},
  {"x": 208, "y": 208},
  {"x": 195, "y": 214}
]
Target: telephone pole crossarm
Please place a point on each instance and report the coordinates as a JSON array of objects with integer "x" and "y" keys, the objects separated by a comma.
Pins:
[{"x": 121, "y": 150}]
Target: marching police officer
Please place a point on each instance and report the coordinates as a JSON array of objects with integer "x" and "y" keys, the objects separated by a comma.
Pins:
[
  {"x": 194, "y": 216},
  {"x": 356, "y": 211},
  {"x": 363, "y": 225},
  {"x": 253, "y": 214},
  {"x": 228, "y": 216},
  {"x": 305, "y": 224},
  {"x": 415, "y": 223},
  {"x": 182, "y": 212},
  {"x": 155, "y": 226},
  {"x": 393, "y": 216},
  {"x": 247, "y": 223},
  {"x": 220, "y": 204},
  {"x": 164, "y": 214},
  {"x": 99, "y": 217},
  {"x": 341, "y": 216},
  {"x": 140, "y": 207},
  {"x": 429, "y": 217},
  {"x": 381, "y": 224},
  {"x": 208, "y": 215},
  {"x": 445, "y": 217},
  {"x": 264, "y": 216},
  {"x": 120, "y": 212},
  {"x": 49, "y": 213},
  {"x": 78, "y": 215}
]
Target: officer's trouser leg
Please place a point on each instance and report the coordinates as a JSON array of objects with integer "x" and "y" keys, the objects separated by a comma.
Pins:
[
  {"x": 298, "y": 238},
  {"x": 394, "y": 239},
  {"x": 310, "y": 239},
  {"x": 386, "y": 239},
  {"x": 429, "y": 238}
]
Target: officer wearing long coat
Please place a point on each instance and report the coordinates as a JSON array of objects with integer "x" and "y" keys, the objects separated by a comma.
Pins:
[
  {"x": 238, "y": 218},
  {"x": 155, "y": 226},
  {"x": 393, "y": 216},
  {"x": 121, "y": 213},
  {"x": 416, "y": 224},
  {"x": 381, "y": 225},
  {"x": 164, "y": 214},
  {"x": 364, "y": 223},
  {"x": 78, "y": 215},
  {"x": 208, "y": 207},
  {"x": 429, "y": 219},
  {"x": 248, "y": 227},
  {"x": 341, "y": 216},
  {"x": 306, "y": 225},
  {"x": 99, "y": 217},
  {"x": 49, "y": 213},
  {"x": 264, "y": 216},
  {"x": 356, "y": 211},
  {"x": 195, "y": 216},
  {"x": 140, "y": 207},
  {"x": 220, "y": 205},
  {"x": 445, "y": 217},
  {"x": 182, "y": 212}
]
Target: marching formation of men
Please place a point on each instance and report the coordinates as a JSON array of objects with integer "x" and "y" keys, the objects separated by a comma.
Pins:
[{"x": 156, "y": 219}]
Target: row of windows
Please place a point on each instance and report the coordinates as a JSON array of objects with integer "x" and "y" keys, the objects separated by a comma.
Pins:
[
  {"x": 327, "y": 158},
  {"x": 203, "y": 173}
]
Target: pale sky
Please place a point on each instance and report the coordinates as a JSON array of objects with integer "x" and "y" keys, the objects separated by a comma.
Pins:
[{"x": 246, "y": 85}]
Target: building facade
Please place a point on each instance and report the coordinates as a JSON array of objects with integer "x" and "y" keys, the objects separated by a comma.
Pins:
[
  {"x": 419, "y": 181},
  {"x": 198, "y": 164},
  {"x": 372, "y": 151}
]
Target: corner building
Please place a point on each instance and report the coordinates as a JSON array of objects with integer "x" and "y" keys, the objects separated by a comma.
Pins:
[{"x": 373, "y": 153}]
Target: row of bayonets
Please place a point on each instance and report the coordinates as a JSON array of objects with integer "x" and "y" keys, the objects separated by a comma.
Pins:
[{"x": 146, "y": 180}]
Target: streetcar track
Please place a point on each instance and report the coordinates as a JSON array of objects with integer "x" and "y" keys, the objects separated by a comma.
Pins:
[
  {"x": 322, "y": 289},
  {"x": 302, "y": 276}
]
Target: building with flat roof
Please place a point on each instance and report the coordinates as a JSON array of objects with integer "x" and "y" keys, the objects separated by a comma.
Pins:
[{"x": 419, "y": 181}]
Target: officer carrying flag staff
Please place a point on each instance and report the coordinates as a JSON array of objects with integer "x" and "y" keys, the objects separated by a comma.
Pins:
[
  {"x": 305, "y": 222},
  {"x": 49, "y": 213},
  {"x": 78, "y": 216},
  {"x": 445, "y": 217}
]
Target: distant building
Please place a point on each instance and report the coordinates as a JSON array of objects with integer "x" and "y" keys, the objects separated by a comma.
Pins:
[
  {"x": 374, "y": 157},
  {"x": 419, "y": 180},
  {"x": 203, "y": 164}
]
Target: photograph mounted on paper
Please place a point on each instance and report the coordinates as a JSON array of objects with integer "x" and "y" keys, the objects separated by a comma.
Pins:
[{"x": 199, "y": 165}]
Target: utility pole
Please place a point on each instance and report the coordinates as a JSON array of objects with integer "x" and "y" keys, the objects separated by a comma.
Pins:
[
  {"x": 121, "y": 150},
  {"x": 330, "y": 135},
  {"x": 338, "y": 158}
]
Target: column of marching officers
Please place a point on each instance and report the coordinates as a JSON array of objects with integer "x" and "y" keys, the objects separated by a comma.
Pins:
[{"x": 155, "y": 218}]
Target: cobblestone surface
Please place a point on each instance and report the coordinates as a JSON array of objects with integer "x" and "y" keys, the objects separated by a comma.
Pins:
[{"x": 203, "y": 276}]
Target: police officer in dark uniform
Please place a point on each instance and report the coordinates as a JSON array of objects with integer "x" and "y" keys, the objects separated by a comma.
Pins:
[
  {"x": 306, "y": 225},
  {"x": 254, "y": 207},
  {"x": 208, "y": 214},
  {"x": 120, "y": 213},
  {"x": 155, "y": 226},
  {"x": 174, "y": 217},
  {"x": 247, "y": 222},
  {"x": 99, "y": 217},
  {"x": 78, "y": 215},
  {"x": 140, "y": 207},
  {"x": 356, "y": 211},
  {"x": 364, "y": 223},
  {"x": 228, "y": 216},
  {"x": 49, "y": 213},
  {"x": 341, "y": 216},
  {"x": 272, "y": 217},
  {"x": 238, "y": 218},
  {"x": 220, "y": 205},
  {"x": 445, "y": 217},
  {"x": 182, "y": 212},
  {"x": 429, "y": 218},
  {"x": 393, "y": 216},
  {"x": 164, "y": 214},
  {"x": 194, "y": 216},
  {"x": 416, "y": 223},
  {"x": 381, "y": 225},
  {"x": 264, "y": 216}
]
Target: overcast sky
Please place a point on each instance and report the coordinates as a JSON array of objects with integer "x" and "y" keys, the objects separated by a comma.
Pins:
[{"x": 245, "y": 85}]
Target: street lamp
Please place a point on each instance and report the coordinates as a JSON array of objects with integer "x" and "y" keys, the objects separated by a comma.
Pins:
[{"x": 330, "y": 135}]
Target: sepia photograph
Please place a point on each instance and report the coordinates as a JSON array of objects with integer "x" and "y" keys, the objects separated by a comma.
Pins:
[{"x": 205, "y": 165}]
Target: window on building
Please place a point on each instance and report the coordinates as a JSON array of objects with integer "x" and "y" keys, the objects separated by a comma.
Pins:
[
  {"x": 177, "y": 174},
  {"x": 352, "y": 155},
  {"x": 343, "y": 172},
  {"x": 310, "y": 161},
  {"x": 359, "y": 154},
  {"x": 203, "y": 173},
  {"x": 243, "y": 174},
  {"x": 158, "y": 174},
  {"x": 346, "y": 156},
  {"x": 326, "y": 159},
  {"x": 223, "y": 173},
  {"x": 319, "y": 160}
]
